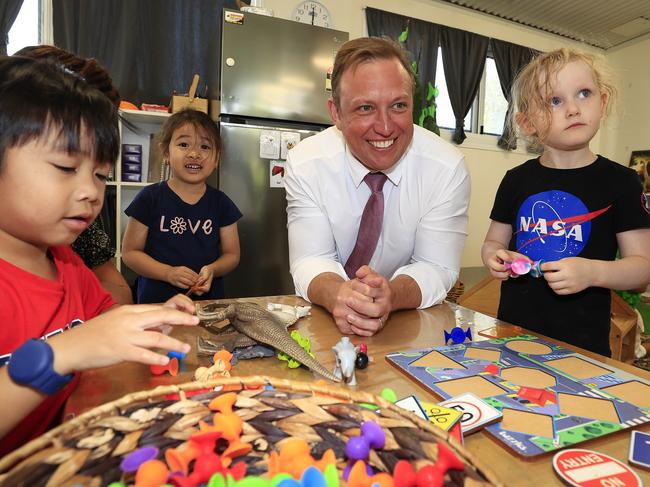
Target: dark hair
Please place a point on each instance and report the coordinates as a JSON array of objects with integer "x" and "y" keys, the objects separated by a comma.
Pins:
[
  {"x": 364, "y": 49},
  {"x": 88, "y": 68},
  {"x": 39, "y": 98},
  {"x": 195, "y": 118}
]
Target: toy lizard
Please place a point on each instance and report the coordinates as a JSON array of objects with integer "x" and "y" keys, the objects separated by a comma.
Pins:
[{"x": 254, "y": 324}]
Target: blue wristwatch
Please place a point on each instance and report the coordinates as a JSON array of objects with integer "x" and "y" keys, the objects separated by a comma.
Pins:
[{"x": 31, "y": 365}]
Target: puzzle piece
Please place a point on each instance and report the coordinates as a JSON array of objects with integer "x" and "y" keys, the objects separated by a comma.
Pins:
[
  {"x": 538, "y": 396},
  {"x": 476, "y": 412}
]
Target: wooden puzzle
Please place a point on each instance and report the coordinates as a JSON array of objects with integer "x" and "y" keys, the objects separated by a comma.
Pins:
[{"x": 550, "y": 397}]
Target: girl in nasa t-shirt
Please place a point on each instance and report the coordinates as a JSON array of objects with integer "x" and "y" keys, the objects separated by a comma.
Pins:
[{"x": 569, "y": 207}]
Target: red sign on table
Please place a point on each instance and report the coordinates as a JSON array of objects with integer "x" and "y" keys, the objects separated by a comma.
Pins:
[{"x": 586, "y": 468}]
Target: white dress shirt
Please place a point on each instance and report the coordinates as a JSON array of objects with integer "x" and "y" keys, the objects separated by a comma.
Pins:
[{"x": 425, "y": 212}]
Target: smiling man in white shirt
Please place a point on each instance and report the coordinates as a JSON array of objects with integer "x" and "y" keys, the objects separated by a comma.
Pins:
[{"x": 425, "y": 197}]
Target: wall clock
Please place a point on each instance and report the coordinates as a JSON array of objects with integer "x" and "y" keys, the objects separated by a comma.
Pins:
[{"x": 312, "y": 12}]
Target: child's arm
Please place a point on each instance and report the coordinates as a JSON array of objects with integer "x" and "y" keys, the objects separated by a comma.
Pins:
[
  {"x": 122, "y": 334},
  {"x": 494, "y": 251},
  {"x": 229, "y": 259},
  {"x": 134, "y": 256},
  {"x": 631, "y": 271},
  {"x": 111, "y": 280}
]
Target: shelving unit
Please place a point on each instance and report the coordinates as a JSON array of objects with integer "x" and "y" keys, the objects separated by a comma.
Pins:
[{"x": 140, "y": 128}]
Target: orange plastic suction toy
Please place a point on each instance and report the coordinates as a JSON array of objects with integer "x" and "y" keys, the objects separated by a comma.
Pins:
[{"x": 171, "y": 367}]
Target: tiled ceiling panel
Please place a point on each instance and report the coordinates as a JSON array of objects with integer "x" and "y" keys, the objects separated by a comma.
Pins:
[{"x": 600, "y": 23}]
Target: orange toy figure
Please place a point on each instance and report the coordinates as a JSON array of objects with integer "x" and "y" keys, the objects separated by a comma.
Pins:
[
  {"x": 221, "y": 367},
  {"x": 179, "y": 459},
  {"x": 224, "y": 404},
  {"x": 224, "y": 355},
  {"x": 295, "y": 457},
  {"x": 328, "y": 458},
  {"x": 152, "y": 473},
  {"x": 196, "y": 287},
  {"x": 171, "y": 367},
  {"x": 359, "y": 478},
  {"x": 199, "y": 444},
  {"x": 228, "y": 423}
]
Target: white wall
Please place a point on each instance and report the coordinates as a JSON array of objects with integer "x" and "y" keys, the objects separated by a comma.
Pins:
[
  {"x": 627, "y": 129},
  {"x": 487, "y": 164}
]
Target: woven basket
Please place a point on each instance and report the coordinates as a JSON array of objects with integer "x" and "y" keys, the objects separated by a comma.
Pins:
[{"x": 87, "y": 450}]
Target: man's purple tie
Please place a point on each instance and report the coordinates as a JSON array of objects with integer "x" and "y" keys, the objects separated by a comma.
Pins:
[{"x": 370, "y": 226}]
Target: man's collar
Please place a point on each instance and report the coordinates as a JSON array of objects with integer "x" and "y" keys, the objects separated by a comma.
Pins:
[{"x": 358, "y": 171}]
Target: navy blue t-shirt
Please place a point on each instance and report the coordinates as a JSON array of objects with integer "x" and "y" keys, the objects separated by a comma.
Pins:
[{"x": 181, "y": 234}]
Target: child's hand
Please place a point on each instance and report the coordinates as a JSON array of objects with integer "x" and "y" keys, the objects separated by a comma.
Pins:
[
  {"x": 182, "y": 303},
  {"x": 182, "y": 277},
  {"x": 496, "y": 263},
  {"x": 568, "y": 276},
  {"x": 204, "y": 282},
  {"x": 121, "y": 334}
]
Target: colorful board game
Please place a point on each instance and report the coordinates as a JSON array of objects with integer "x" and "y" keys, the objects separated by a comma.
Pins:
[{"x": 550, "y": 397}]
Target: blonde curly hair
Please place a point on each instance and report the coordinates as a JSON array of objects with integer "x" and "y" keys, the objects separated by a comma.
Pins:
[{"x": 534, "y": 81}]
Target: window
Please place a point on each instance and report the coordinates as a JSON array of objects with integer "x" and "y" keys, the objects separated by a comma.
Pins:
[
  {"x": 494, "y": 103},
  {"x": 26, "y": 28},
  {"x": 490, "y": 105},
  {"x": 444, "y": 113}
]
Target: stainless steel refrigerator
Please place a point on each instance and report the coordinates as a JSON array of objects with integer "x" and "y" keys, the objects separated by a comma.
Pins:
[{"x": 274, "y": 91}]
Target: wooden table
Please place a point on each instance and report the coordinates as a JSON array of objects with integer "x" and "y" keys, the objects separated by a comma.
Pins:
[{"x": 405, "y": 330}]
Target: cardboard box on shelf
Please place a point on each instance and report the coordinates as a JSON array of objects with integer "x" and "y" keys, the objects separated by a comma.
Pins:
[
  {"x": 131, "y": 177},
  {"x": 179, "y": 102},
  {"x": 132, "y": 158},
  {"x": 132, "y": 168},
  {"x": 131, "y": 149}
]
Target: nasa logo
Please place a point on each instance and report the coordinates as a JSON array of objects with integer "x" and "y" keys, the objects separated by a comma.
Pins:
[{"x": 553, "y": 225}]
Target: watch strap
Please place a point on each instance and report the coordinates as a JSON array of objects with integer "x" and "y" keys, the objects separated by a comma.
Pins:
[{"x": 32, "y": 365}]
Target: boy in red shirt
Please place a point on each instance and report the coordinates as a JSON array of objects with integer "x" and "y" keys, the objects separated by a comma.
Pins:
[{"x": 58, "y": 142}]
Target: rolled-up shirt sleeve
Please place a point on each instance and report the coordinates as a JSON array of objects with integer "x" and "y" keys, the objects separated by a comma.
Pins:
[
  {"x": 439, "y": 240},
  {"x": 312, "y": 249}
]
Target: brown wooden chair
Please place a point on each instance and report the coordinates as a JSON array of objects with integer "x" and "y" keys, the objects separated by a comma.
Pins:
[
  {"x": 455, "y": 292},
  {"x": 484, "y": 298}
]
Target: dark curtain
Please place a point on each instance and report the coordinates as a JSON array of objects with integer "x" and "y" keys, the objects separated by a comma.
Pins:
[
  {"x": 463, "y": 56},
  {"x": 422, "y": 42},
  {"x": 150, "y": 47},
  {"x": 509, "y": 60},
  {"x": 8, "y": 12}
]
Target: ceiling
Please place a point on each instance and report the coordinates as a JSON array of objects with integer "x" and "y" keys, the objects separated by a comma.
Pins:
[{"x": 600, "y": 23}]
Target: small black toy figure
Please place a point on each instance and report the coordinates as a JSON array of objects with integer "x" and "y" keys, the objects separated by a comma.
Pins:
[{"x": 362, "y": 361}]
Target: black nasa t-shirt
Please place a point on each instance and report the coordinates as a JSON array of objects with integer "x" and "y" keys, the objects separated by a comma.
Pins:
[{"x": 560, "y": 213}]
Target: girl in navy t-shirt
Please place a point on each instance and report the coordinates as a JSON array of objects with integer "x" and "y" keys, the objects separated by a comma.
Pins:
[{"x": 182, "y": 234}]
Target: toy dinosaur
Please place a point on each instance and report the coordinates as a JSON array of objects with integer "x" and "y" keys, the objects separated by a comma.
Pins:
[{"x": 254, "y": 324}]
